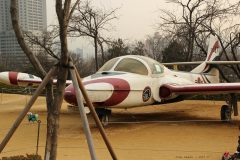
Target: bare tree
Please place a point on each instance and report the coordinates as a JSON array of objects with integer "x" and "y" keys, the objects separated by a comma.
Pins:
[
  {"x": 139, "y": 49},
  {"x": 198, "y": 19},
  {"x": 47, "y": 44},
  {"x": 101, "y": 42},
  {"x": 64, "y": 12},
  {"x": 230, "y": 51},
  {"x": 117, "y": 48},
  {"x": 155, "y": 44},
  {"x": 48, "y": 40},
  {"x": 91, "y": 22}
]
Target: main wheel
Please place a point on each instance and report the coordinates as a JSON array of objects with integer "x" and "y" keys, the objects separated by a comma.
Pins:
[{"x": 226, "y": 113}]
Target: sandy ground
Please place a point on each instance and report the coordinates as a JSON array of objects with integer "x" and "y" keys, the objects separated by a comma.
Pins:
[{"x": 154, "y": 132}]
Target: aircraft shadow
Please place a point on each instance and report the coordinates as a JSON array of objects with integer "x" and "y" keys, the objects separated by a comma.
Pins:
[{"x": 180, "y": 116}]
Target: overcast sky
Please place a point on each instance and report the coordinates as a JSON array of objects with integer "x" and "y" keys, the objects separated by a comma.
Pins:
[{"x": 136, "y": 18}]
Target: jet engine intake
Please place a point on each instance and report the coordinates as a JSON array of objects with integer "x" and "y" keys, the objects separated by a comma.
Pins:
[{"x": 165, "y": 92}]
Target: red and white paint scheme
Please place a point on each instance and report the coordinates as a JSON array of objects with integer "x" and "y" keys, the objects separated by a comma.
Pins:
[
  {"x": 19, "y": 79},
  {"x": 134, "y": 81}
]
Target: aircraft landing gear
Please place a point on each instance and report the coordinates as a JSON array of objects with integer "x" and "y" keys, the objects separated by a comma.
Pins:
[
  {"x": 226, "y": 113},
  {"x": 103, "y": 115},
  {"x": 231, "y": 107}
]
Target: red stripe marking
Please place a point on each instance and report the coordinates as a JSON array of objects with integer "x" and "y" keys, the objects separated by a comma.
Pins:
[
  {"x": 166, "y": 90},
  {"x": 13, "y": 77},
  {"x": 205, "y": 68},
  {"x": 215, "y": 47},
  {"x": 120, "y": 92},
  {"x": 209, "y": 89}
]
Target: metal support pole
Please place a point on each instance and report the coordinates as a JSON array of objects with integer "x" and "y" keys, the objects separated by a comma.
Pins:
[
  {"x": 27, "y": 108},
  {"x": 38, "y": 134},
  {"x": 26, "y": 96},
  {"x": 234, "y": 103},
  {"x": 83, "y": 116},
  {"x": 1, "y": 95},
  {"x": 95, "y": 116}
]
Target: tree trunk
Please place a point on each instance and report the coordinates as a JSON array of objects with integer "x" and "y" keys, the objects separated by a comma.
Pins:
[
  {"x": 36, "y": 64},
  {"x": 49, "y": 100},
  {"x": 102, "y": 51},
  {"x": 190, "y": 46},
  {"x": 54, "y": 118},
  {"x": 96, "y": 49},
  {"x": 34, "y": 61},
  {"x": 63, "y": 14}
]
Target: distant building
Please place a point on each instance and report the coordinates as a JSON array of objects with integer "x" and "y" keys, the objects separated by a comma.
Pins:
[
  {"x": 32, "y": 17},
  {"x": 79, "y": 52},
  {"x": 77, "y": 55}
]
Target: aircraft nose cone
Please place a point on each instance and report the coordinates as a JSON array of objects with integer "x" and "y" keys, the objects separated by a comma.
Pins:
[
  {"x": 8, "y": 78},
  {"x": 70, "y": 95}
]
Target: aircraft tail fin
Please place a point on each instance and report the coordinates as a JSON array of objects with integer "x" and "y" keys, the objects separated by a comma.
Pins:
[{"x": 214, "y": 49}]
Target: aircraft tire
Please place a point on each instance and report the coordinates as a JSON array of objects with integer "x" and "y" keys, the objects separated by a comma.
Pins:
[
  {"x": 105, "y": 120},
  {"x": 103, "y": 115},
  {"x": 225, "y": 113}
]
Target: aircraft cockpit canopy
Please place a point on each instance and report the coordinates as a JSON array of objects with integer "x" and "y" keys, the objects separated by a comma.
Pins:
[
  {"x": 155, "y": 66},
  {"x": 140, "y": 65},
  {"x": 131, "y": 65},
  {"x": 108, "y": 65}
]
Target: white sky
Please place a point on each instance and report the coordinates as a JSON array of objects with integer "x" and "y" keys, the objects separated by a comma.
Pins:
[{"x": 136, "y": 18}]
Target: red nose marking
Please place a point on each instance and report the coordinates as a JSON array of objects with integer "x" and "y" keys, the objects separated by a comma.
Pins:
[
  {"x": 13, "y": 77},
  {"x": 121, "y": 89}
]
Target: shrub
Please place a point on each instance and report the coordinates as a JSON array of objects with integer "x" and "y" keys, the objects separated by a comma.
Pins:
[{"x": 21, "y": 157}]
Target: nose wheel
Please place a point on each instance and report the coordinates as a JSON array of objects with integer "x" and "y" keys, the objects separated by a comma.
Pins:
[
  {"x": 231, "y": 107},
  {"x": 104, "y": 119},
  {"x": 104, "y": 115}
]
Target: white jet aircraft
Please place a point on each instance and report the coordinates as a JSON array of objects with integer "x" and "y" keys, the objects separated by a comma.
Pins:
[{"x": 134, "y": 81}]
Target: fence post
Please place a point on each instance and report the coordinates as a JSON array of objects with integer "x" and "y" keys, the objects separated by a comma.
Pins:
[{"x": 39, "y": 124}]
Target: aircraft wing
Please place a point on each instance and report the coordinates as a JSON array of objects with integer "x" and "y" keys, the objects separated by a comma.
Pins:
[
  {"x": 27, "y": 82},
  {"x": 199, "y": 62},
  {"x": 172, "y": 90},
  {"x": 36, "y": 82}
]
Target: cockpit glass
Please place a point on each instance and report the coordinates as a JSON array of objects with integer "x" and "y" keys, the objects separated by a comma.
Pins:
[
  {"x": 155, "y": 66},
  {"x": 108, "y": 65},
  {"x": 132, "y": 66}
]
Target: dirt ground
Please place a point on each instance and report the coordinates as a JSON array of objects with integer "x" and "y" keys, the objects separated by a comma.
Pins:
[{"x": 186, "y": 130}]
